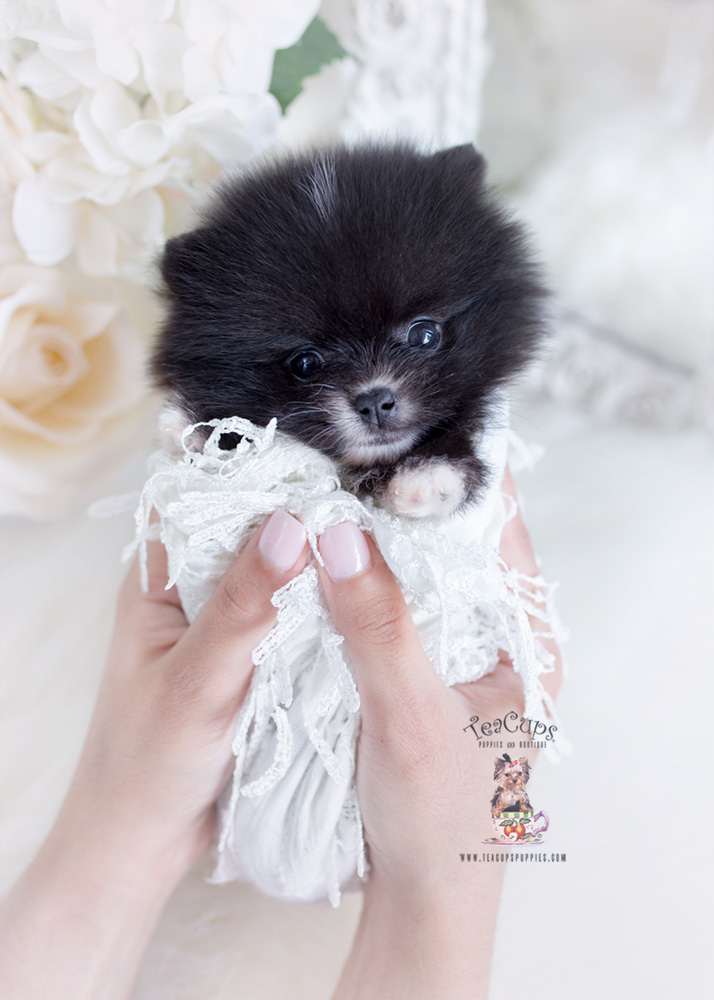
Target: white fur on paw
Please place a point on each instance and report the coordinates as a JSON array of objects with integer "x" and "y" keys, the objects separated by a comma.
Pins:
[
  {"x": 172, "y": 423},
  {"x": 434, "y": 489}
]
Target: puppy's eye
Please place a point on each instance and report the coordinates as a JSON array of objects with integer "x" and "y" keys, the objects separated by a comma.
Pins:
[
  {"x": 304, "y": 364},
  {"x": 424, "y": 333}
]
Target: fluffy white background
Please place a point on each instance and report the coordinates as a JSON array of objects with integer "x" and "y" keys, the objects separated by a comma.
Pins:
[{"x": 621, "y": 515}]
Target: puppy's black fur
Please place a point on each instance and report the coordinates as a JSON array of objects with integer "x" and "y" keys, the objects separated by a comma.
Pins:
[{"x": 371, "y": 299}]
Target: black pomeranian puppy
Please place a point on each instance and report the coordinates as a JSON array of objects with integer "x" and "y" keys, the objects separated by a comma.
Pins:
[{"x": 371, "y": 299}]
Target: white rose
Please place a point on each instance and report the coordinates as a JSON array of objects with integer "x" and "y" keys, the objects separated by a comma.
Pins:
[{"x": 71, "y": 381}]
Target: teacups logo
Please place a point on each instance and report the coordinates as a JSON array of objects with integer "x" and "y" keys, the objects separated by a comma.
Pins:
[
  {"x": 513, "y": 816},
  {"x": 511, "y": 725}
]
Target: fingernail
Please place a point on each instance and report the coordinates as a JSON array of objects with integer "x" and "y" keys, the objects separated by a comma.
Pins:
[
  {"x": 345, "y": 550},
  {"x": 282, "y": 540}
]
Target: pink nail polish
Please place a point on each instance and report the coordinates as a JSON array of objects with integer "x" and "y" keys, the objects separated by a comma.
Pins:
[
  {"x": 345, "y": 550},
  {"x": 283, "y": 540}
]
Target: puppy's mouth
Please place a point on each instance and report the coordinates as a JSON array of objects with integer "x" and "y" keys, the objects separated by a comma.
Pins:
[{"x": 379, "y": 449}]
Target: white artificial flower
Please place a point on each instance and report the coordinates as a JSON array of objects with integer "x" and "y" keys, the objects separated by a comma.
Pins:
[
  {"x": 71, "y": 370},
  {"x": 281, "y": 23},
  {"x": 125, "y": 98},
  {"x": 108, "y": 241},
  {"x": 16, "y": 121},
  {"x": 9, "y": 247},
  {"x": 98, "y": 191},
  {"x": 80, "y": 42},
  {"x": 233, "y": 42},
  {"x": 174, "y": 52}
]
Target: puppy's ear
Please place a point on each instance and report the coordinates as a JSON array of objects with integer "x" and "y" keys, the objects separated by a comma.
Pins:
[
  {"x": 499, "y": 765},
  {"x": 463, "y": 160},
  {"x": 184, "y": 260}
]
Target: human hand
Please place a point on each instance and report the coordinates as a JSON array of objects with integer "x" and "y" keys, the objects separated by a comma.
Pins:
[
  {"x": 159, "y": 748},
  {"x": 141, "y": 806},
  {"x": 140, "y": 809},
  {"x": 428, "y": 921}
]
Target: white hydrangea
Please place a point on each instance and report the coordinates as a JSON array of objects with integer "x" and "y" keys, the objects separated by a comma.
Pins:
[
  {"x": 129, "y": 104},
  {"x": 176, "y": 52}
]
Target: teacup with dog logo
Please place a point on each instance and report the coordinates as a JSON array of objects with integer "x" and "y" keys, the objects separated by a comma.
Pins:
[{"x": 519, "y": 827}]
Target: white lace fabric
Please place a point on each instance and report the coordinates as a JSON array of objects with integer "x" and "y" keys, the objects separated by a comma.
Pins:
[{"x": 289, "y": 819}]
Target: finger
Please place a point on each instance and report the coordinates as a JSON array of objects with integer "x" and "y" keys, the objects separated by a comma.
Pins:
[
  {"x": 157, "y": 576},
  {"x": 392, "y": 670},
  {"x": 518, "y": 553},
  {"x": 157, "y": 568},
  {"x": 516, "y": 547},
  {"x": 239, "y": 613}
]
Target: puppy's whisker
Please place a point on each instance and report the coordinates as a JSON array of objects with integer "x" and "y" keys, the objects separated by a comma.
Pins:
[
  {"x": 309, "y": 408},
  {"x": 302, "y": 413}
]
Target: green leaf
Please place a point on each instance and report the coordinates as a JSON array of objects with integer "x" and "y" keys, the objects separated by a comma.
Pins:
[{"x": 291, "y": 67}]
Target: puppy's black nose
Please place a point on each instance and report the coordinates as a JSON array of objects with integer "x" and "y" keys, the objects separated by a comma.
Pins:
[{"x": 376, "y": 407}]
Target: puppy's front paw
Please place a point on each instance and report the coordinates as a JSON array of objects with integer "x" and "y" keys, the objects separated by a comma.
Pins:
[{"x": 434, "y": 489}]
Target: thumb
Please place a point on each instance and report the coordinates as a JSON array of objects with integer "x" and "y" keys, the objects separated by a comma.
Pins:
[
  {"x": 239, "y": 613},
  {"x": 392, "y": 670}
]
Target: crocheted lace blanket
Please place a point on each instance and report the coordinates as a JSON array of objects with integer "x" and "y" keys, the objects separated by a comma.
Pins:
[{"x": 289, "y": 818}]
